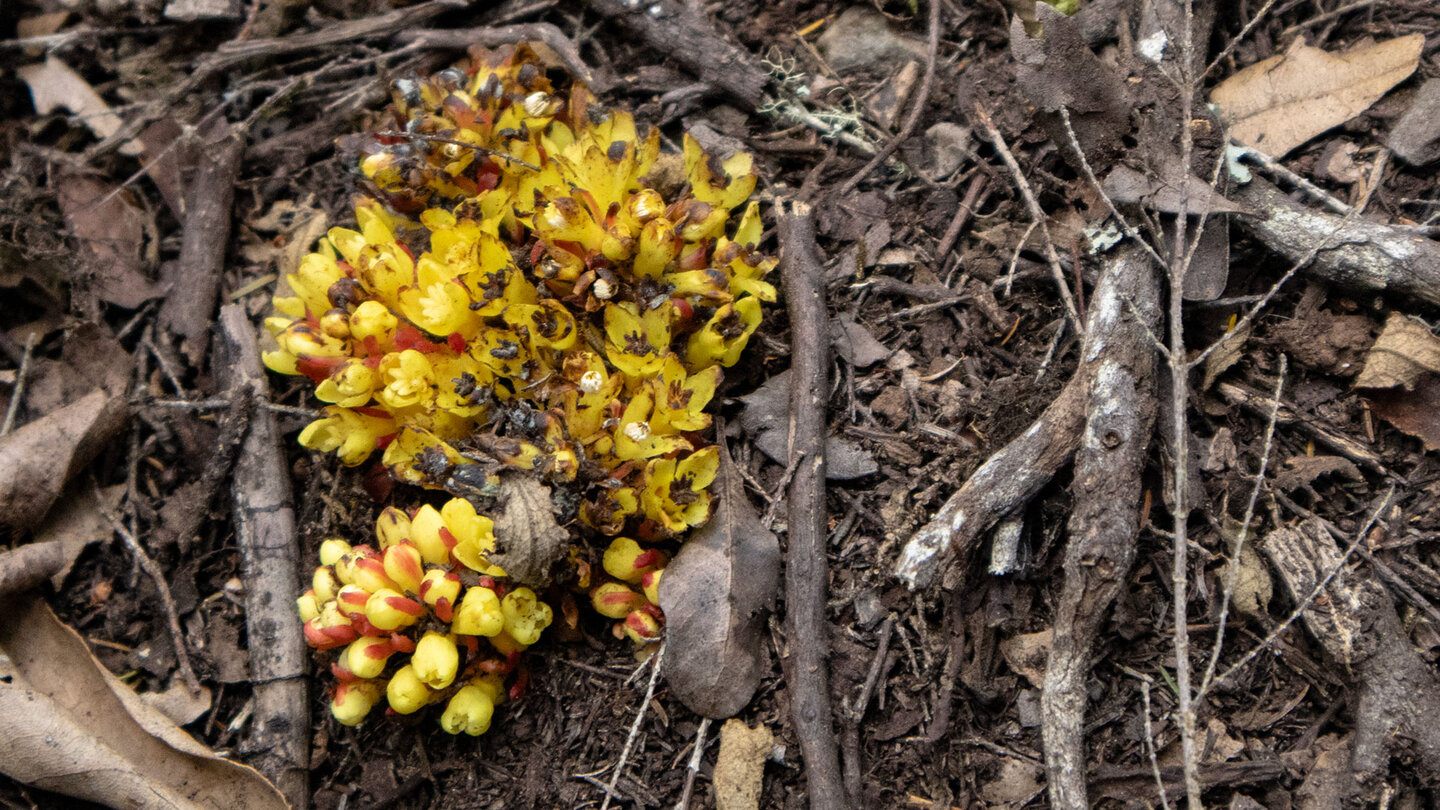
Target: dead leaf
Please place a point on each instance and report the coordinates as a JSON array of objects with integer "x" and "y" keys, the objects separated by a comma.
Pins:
[
  {"x": 1015, "y": 782},
  {"x": 740, "y": 766},
  {"x": 1027, "y": 654},
  {"x": 854, "y": 343},
  {"x": 178, "y": 704},
  {"x": 1279, "y": 103},
  {"x": 716, "y": 594},
  {"x": 113, "y": 230},
  {"x": 1230, "y": 350},
  {"x": 1404, "y": 352},
  {"x": 1412, "y": 411},
  {"x": 1301, "y": 471},
  {"x": 55, "y": 85},
  {"x": 73, "y": 728},
  {"x": 297, "y": 227},
  {"x": 38, "y": 459},
  {"x": 528, "y": 541},
  {"x": 1253, "y": 586},
  {"x": 767, "y": 413},
  {"x": 1166, "y": 190},
  {"x": 80, "y": 523}
]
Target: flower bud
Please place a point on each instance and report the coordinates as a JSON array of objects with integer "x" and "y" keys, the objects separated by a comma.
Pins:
[
  {"x": 641, "y": 627},
  {"x": 336, "y": 323},
  {"x": 479, "y": 613},
  {"x": 469, "y": 710},
  {"x": 439, "y": 590},
  {"x": 406, "y": 692},
  {"x": 428, "y": 532},
  {"x": 404, "y": 566},
  {"x": 351, "y": 601},
  {"x": 526, "y": 617},
  {"x": 388, "y": 610},
  {"x": 308, "y": 606},
  {"x": 645, "y": 205},
  {"x": 332, "y": 550},
  {"x": 651, "y": 583},
  {"x": 324, "y": 583},
  {"x": 373, "y": 319},
  {"x": 435, "y": 660},
  {"x": 614, "y": 600},
  {"x": 353, "y": 700},
  {"x": 369, "y": 573},
  {"x": 366, "y": 657},
  {"x": 625, "y": 560},
  {"x": 391, "y": 527}
]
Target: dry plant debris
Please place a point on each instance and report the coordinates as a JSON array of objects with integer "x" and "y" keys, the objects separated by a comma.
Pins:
[{"x": 1235, "y": 608}]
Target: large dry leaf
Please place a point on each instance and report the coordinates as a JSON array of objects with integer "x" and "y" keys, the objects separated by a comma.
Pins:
[
  {"x": 55, "y": 85},
  {"x": 113, "y": 230},
  {"x": 1279, "y": 103},
  {"x": 1404, "y": 352},
  {"x": 37, "y": 459},
  {"x": 716, "y": 594},
  {"x": 73, "y": 728}
]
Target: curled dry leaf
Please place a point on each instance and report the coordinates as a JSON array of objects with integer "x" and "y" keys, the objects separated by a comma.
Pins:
[
  {"x": 528, "y": 541},
  {"x": 716, "y": 594},
  {"x": 37, "y": 459},
  {"x": 1279, "y": 103},
  {"x": 1401, "y": 378},
  {"x": 73, "y": 728},
  {"x": 55, "y": 85}
]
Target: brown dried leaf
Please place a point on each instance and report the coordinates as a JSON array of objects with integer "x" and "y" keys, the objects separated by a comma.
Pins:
[
  {"x": 37, "y": 459},
  {"x": 716, "y": 594},
  {"x": 740, "y": 767},
  {"x": 113, "y": 230},
  {"x": 80, "y": 523},
  {"x": 1167, "y": 191},
  {"x": 73, "y": 728},
  {"x": 1229, "y": 352},
  {"x": 55, "y": 85},
  {"x": 1404, "y": 352},
  {"x": 1279, "y": 103},
  {"x": 528, "y": 541}
]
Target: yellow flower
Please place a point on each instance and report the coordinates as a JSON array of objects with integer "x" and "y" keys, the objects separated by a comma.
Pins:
[
  {"x": 479, "y": 613},
  {"x": 469, "y": 710},
  {"x": 308, "y": 606},
  {"x": 435, "y": 660},
  {"x": 406, "y": 693},
  {"x": 388, "y": 609},
  {"x": 349, "y": 386},
  {"x": 404, "y": 566},
  {"x": 408, "y": 380},
  {"x": 353, "y": 700},
  {"x": 366, "y": 657},
  {"x": 723, "y": 337},
  {"x": 473, "y": 534},
  {"x": 680, "y": 399},
  {"x": 608, "y": 510},
  {"x": 676, "y": 494},
  {"x": 391, "y": 527},
  {"x": 637, "y": 342},
  {"x": 380, "y": 263},
  {"x": 732, "y": 187},
  {"x": 373, "y": 319},
  {"x": 332, "y": 549},
  {"x": 526, "y": 617},
  {"x": 439, "y": 589},
  {"x": 637, "y": 436},
  {"x": 642, "y": 627},
  {"x": 350, "y": 435},
  {"x": 628, "y": 562},
  {"x": 613, "y": 600}
]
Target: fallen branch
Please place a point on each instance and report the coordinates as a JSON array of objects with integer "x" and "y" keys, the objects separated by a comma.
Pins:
[
  {"x": 1354, "y": 621},
  {"x": 279, "y": 740},
  {"x": 679, "y": 33},
  {"x": 1120, "y": 412},
  {"x": 1355, "y": 253},
  {"x": 806, "y": 574},
  {"x": 194, "y": 280}
]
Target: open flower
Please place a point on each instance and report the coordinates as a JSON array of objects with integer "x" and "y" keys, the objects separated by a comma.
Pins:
[
  {"x": 526, "y": 617},
  {"x": 676, "y": 494}
]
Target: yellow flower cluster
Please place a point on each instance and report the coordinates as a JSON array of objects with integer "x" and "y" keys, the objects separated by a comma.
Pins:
[
  {"x": 524, "y": 297},
  {"x": 428, "y": 592},
  {"x": 638, "y": 612}
]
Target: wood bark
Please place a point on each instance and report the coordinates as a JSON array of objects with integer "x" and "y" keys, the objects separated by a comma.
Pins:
[
  {"x": 279, "y": 739},
  {"x": 1118, "y": 369}
]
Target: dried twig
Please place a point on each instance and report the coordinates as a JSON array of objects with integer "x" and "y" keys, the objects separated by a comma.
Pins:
[
  {"x": 922, "y": 96},
  {"x": 489, "y": 37},
  {"x": 29, "y": 565},
  {"x": 17, "y": 393},
  {"x": 654, "y": 663},
  {"x": 693, "y": 769},
  {"x": 805, "y": 561},
  {"x": 279, "y": 739},
  {"x": 1120, "y": 410},
  {"x": 1036, "y": 213}
]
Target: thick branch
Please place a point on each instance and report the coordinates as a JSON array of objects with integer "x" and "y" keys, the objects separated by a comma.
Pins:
[
  {"x": 279, "y": 742},
  {"x": 1351, "y": 253},
  {"x": 1120, "y": 411},
  {"x": 806, "y": 569}
]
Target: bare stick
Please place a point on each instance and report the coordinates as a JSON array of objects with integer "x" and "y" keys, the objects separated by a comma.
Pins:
[
  {"x": 921, "y": 97},
  {"x": 1120, "y": 411},
  {"x": 1036, "y": 214},
  {"x": 488, "y": 37},
  {"x": 634, "y": 727},
  {"x": 17, "y": 394},
  {"x": 1256, "y": 402},
  {"x": 1232, "y": 574},
  {"x": 279, "y": 738},
  {"x": 693, "y": 769},
  {"x": 806, "y": 568}
]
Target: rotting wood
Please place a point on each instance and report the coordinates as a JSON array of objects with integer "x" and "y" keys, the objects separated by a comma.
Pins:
[
  {"x": 678, "y": 32},
  {"x": 806, "y": 565},
  {"x": 1353, "y": 619},
  {"x": 279, "y": 740},
  {"x": 194, "y": 280},
  {"x": 1352, "y": 253},
  {"x": 1105, "y": 522}
]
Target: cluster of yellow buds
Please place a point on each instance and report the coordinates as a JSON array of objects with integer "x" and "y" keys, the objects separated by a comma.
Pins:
[
  {"x": 517, "y": 293},
  {"x": 638, "y": 612},
  {"x": 427, "y": 592}
]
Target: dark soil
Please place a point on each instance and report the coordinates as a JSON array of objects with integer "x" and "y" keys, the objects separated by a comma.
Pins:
[{"x": 953, "y": 720}]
